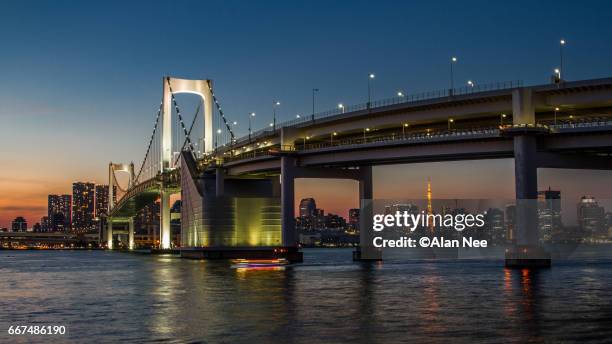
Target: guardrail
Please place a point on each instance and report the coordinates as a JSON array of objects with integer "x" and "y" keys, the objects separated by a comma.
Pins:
[{"x": 408, "y": 98}]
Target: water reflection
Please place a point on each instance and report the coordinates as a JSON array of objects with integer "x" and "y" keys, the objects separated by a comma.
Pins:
[{"x": 119, "y": 297}]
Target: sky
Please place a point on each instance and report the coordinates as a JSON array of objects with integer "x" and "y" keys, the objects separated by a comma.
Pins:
[{"x": 81, "y": 81}]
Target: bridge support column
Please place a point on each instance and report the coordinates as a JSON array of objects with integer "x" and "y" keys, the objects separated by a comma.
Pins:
[
  {"x": 219, "y": 182},
  {"x": 366, "y": 251},
  {"x": 109, "y": 233},
  {"x": 164, "y": 220},
  {"x": 526, "y": 252},
  {"x": 131, "y": 233},
  {"x": 288, "y": 233}
]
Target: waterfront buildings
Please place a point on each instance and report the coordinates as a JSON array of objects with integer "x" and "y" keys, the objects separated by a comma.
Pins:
[
  {"x": 83, "y": 201},
  {"x": 59, "y": 213},
  {"x": 19, "y": 224}
]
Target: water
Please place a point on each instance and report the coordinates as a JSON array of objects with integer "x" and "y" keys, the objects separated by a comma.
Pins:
[{"x": 110, "y": 297}]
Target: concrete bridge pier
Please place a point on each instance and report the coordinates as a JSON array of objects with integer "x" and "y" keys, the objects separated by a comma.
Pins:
[
  {"x": 287, "y": 180},
  {"x": 366, "y": 251},
  {"x": 131, "y": 233},
  {"x": 109, "y": 233},
  {"x": 164, "y": 219},
  {"x": 526, "y": 251}
]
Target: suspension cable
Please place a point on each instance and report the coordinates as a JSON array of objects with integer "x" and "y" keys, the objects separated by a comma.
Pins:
[
  {"x": 150, "y": 143},
  {"x": 178, "y": 113},
  {"x": 189, "y": 132},
  {"x": 220, "y": 111}
]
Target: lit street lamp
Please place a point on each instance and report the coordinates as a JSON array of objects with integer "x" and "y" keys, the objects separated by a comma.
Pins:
[
  {"x": 452, "y": 77},
  {"x": 331, "y": 137},
  {"x": 274, "y": 105},
  {"x": 470, "y": 83},
  {"x": 252, "y": 114},
  {"x": 561, "y": 45},
  {"x": 404, "y": 129},
  {"x": 555, "y": 117},
  {"x": 341, "y": 107},
  {"x": 450, "y": 122},
  {"x": 501, "y": 119},
  {"x": 370, "y": 78}
]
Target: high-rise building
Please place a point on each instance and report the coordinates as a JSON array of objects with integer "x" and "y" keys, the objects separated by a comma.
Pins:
[
  {"x": 83, "y": 200},
  {"x": 495, "y": 225},
  {"x": 591, "y": 218},
  {"x": 102, "y": 199},
  {"x": 19, "y": 224},
  {"x": 549, "y": 213},
  {"x": 45, "y": 224},
  {"x": 510, "y": 222},
  {"x": 354, "y": 218},
  {"x": 59, "y": 212},
  {"x": 308, "y": 207}
]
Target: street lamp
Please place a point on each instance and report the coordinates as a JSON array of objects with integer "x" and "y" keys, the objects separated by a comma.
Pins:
[
  {"x": 501, "y": 119},
  {"x": 555, "y": 117},
  {"x": 364, "y": 133},
  {"x": 274, "y": 105},
  {"x": 452, "y": 77},
  {"x": 450, "y": 122},
  {"x": 404, "y": 129},
  {"x": 298, "y": 116},
  {"x": 400, "y": 94},
  {"x": 252, "y": 114},
  {"x": 341, "y": 107},
  {"x": 470, "y": 83},
  {"x": 313, "y": 102},
  {"x": 371, "y": 76},
  {"x": 331, "y": 137},
  {"x": 216, "y": 138},
  {"x": 557, "y": 72},
  {"x": 561, "y": 45},
  {"x": 306, "y": 138}
]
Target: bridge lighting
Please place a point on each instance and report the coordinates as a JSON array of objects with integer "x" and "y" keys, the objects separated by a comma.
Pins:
[
  {"x": 452, "y": 77},
  {"x": 235, "y": 123},
  {"x": 218, "y": 131},
  {"x": 341, "y": 107},
  {"x": 272, "y": 124},
  {"x": 561, "y": 44},
  {"x": 501, "y": 119},
  {"x": 450, "y": 122},
  {"x": 400, "y": 93},
  {"x": 404, "y": 129},
  {"x": 297, "y": 116},
  {"x": 370, "y": 78},
  {"x": 367, "y": 129},
  {"x": 470, "y": 83},
  {"x": 274, "y": 105},
  {"x": 252, "y": 114}
]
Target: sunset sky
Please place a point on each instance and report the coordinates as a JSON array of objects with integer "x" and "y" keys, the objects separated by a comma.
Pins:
[{"x": 80, "y": 82}]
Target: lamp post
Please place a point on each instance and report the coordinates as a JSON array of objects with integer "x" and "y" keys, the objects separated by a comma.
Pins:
[
  {"x": 371, "y": 77},
  {"x": 470, "y": 83},
  {"x": 313, "y": 102},
  {"x": 452, "y": 76},
  {"x": 404, "y": 129},
  {"x": 331, "y": 137},
  {"x": 561, "y": 45},
  {"x": 555, "y": 116},
  {"x": 341, "y": 107},
  {"x": 501, "y": 119},
  {"x": 450, "y": 122},
  {"x": 274, "y": 105},
  {"x": 217, "y": 137},
  {"x": 364, "y": 133},
  {"x": 306, "y": 138},
  {"x": 252, "y": 114}
]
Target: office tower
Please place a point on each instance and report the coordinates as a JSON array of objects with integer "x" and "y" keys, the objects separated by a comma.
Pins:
[
  {"x": 510, "y": 222},
  {"x": 102, "y": 199},
  {"x": 307, "y": 207},
  {"x": 45, "y": 224},
  {"x": 591, "y": 218},
  {"x": 19, "y": 224},
  {"x": 495, "y": 225},
  {"x": 549, "y": 213},
  {"x": 83, "y": 199},
  {"x": 59, "y": 212},
  {"x": 354, "y": 218}
]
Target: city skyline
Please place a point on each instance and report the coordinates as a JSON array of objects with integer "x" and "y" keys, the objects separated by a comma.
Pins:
[{"x": 83, "y": 98}]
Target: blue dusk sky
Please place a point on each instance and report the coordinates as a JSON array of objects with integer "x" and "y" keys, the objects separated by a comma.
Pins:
[{"x": 81, "y": 80}]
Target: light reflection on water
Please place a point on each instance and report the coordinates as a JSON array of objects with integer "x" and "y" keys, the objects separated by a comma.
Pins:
[{"x": 110, "y": 296}]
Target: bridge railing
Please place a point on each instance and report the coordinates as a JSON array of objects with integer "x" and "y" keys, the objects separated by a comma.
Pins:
[
  {"x": 422, "y": 136},
  {"x": 408, "y": 98}
]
